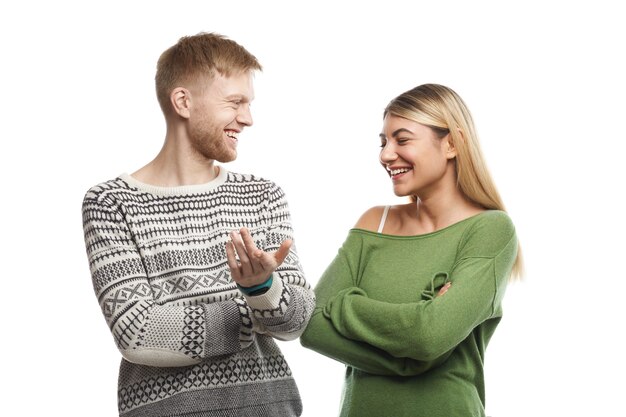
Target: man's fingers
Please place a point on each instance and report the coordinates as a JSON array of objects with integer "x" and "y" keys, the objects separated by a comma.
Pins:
[
  {"x": 244, "y": 260},
  {"x": 271, "y": 261},
  {"x": 248, "y": 241},
  {"x": 256, "y": 261},
  {"x": 283, "y": 251},
  {"x": 252, "y": 260},
  {"x": 232, "y": 261}
]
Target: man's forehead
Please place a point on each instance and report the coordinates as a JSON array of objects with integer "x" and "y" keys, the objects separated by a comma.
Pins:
[{"x": 234, "y": 86}]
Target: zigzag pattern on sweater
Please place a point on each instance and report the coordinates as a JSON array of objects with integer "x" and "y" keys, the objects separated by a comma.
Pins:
[{"x": 159, "y": 272}]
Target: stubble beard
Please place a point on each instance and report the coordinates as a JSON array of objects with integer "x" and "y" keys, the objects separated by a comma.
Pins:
[{"x": 208, "y": 141}]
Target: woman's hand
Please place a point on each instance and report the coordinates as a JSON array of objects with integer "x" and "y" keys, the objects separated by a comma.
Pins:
[
  {"x": 443, "y": 289},
  {"x": 254, "y": 266}
]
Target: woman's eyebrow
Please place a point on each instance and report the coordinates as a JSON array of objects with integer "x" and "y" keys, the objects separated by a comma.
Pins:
[{"x": 396, "y": 133}]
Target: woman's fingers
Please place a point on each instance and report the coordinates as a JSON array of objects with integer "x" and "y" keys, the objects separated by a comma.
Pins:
[{"x": 444, "y": 289}]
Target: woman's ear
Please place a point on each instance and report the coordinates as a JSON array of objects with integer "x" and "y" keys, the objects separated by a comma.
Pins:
[
  {"x": 181, "y": 101},
  {"x": 449, "y": 147}
]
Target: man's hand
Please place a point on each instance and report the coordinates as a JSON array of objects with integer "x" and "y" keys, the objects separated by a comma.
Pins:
[{"x": 254, "y": 266}]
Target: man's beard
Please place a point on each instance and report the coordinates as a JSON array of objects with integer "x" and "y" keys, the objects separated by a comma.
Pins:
[{"x": 209, "y": 142}]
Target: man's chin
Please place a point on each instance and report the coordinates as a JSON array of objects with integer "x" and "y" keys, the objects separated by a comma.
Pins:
[{"x": 227, "y": 158}]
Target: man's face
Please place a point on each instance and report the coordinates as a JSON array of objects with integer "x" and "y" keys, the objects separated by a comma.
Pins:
[{"x": 220, "y": 111}]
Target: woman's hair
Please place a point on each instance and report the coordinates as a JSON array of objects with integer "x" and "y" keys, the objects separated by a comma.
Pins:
[
  {"x": 441, "y": 109},
  {"x": 200, "y": 55}
]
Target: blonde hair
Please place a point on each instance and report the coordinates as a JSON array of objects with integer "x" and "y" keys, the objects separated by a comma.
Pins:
[
  {"x": 443, "y": 110},
  {"x": 199, "y": 55}
]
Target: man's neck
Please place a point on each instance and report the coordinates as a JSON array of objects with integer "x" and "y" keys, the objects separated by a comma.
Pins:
[{"x": 177, "y": 165}]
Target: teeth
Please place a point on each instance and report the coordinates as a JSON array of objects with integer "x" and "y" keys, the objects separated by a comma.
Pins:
[
  {"x": 399, "y": 171},
  {"x": 232, "y": 134}
]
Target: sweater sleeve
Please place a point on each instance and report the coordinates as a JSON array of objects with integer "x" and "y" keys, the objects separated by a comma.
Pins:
[
  {"x": 323, "y": 337},
  {"x": 427, "y": 329},
  {"x": 285, "y": 309},
  {"x": 145, "y": 331}
]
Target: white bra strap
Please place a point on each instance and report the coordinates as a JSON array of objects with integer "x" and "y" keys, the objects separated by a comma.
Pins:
[{"x": 382, "y": 220}]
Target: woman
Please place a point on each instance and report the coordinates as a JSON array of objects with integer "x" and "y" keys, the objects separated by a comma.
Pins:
[{"x": 414, "y": 295}]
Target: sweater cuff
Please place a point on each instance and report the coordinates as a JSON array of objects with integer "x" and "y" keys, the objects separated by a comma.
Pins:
[
  {"x": 222, "y": 329},
  {"x": 271, "y": 299}
]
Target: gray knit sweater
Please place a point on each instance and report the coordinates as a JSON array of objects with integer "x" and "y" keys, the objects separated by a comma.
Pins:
[{"x": 192, "y": 343}]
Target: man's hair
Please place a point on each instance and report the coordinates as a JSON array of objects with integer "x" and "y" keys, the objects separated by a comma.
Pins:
[{"x": 201, "y": 55}]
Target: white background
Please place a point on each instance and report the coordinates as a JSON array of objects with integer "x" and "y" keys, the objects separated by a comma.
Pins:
[{"x": 545, "y": 82}]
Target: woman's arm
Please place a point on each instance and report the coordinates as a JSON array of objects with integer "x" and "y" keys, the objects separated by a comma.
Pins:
[
  {"x": 323, "y": 337},
  {"x": 427, "y": 329}
]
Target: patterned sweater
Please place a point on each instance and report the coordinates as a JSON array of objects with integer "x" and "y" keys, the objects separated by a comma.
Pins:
[{"x": 192, "y": 343}]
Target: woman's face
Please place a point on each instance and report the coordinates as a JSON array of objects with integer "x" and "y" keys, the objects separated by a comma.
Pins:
[{"x": 416, "y": 160}]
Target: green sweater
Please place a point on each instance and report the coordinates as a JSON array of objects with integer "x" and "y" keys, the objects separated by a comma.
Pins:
[{"x": 408, "y": 352}]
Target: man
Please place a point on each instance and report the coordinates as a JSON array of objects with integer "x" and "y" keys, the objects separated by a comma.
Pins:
[{"x": 193, "y": 265}]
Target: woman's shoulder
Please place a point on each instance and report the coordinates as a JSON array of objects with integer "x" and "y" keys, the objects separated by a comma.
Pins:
[
  {"x": 490, "y": 231},
  {"x": 494, "y": 220},
  {"x": 370, "y": 219}
]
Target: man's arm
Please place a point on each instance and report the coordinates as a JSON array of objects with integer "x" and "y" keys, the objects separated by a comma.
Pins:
[
  {"x": 145, "y": 331},
  {"x": 271, "y": 277}
]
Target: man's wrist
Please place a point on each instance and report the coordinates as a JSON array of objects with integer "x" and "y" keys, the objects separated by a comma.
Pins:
[{"x": 257, "y": 289}]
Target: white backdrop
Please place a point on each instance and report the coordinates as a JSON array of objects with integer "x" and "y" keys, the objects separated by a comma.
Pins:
[{"x": 544, "y": 80}]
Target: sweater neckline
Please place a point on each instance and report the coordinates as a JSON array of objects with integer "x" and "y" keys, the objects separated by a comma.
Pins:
[
  {"x": 177, "y": 190},
  {"x": 423, "y": 235}
]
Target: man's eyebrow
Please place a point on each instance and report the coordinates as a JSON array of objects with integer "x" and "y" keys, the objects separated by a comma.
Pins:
[{"x": 236, "y": 97}]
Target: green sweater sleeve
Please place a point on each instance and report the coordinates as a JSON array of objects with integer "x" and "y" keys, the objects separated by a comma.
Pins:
[
  {"x": 426, "y": 330},
  {"x": 322, "y": 336}
]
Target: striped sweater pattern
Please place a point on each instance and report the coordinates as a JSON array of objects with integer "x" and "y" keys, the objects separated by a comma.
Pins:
[{"x": 192, "y": 344}]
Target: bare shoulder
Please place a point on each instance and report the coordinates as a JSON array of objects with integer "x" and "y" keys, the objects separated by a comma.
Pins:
[{"x": 370, "y": 219}]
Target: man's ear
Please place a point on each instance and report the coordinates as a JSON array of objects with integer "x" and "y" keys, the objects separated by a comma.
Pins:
[{"x": 181, "y": 101}]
